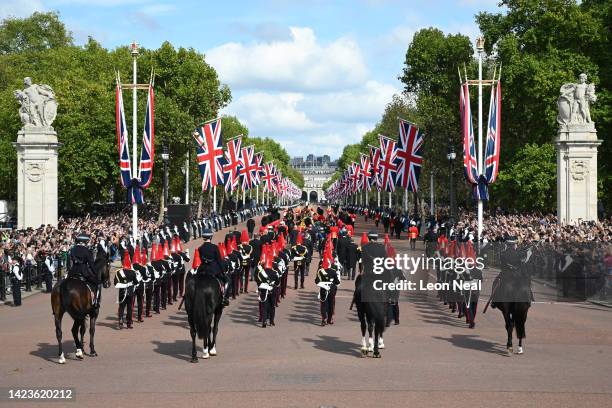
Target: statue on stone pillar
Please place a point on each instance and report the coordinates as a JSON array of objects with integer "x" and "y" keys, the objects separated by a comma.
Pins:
[
  {"x": 574, "y": 103},
  {"x": 38, "y": 104}
]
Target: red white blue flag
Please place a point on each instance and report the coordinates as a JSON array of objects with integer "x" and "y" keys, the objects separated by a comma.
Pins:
[
  {"x": 493, "y": 135},
  {"x": 470, "y": 162},
  {"x": 375, "y": 167},
  {"x": 147, "y": 153},
  {"x": 209, "y": 149},
  {"x": 248, "y": 167},
  {"x": 409, "y": 156},
  {"x": 388, "y": 166},
  {"x": 122, "y": 140},
  {"x": 268, "y": 177},
  {"x": 232, "y": 163},
  {"x": 364, "y": 175}
]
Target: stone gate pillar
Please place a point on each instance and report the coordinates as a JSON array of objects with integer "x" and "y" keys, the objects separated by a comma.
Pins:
[
  {"x": 576, "y": 146},
  {"x": 37, "y": 149}
]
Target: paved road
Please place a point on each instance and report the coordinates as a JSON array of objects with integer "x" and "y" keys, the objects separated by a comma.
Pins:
[{"x": 431, "y": 358}]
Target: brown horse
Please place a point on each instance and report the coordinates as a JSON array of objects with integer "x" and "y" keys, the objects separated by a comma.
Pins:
[{"x": 74, "y": 296}]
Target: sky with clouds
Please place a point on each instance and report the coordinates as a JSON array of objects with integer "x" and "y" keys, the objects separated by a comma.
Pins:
[{"x": 312, "y": 74}]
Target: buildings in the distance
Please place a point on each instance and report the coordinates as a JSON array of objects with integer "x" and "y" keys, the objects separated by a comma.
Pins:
[{"x": 316, "y": 170}]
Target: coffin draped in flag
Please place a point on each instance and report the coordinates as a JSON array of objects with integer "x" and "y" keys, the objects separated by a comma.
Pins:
[
  {"x": 135, "y": 185},
  {"x": 470, "y": 163},
  {"x": 209, "y": 150},
  {"x": 409, "y": 156},
  {"x": 232, "y": 163},
  {"x": 388, "y": 166}
]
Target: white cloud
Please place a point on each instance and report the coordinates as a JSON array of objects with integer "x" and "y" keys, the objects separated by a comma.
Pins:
[
  {"x": 19, "y": 8},
  {"x": 298, "y": 64}
]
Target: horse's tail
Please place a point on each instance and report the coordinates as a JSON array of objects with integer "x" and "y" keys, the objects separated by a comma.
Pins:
[
  {"x": 199, "y": 311},
  {"x": 520, "y": 318}
]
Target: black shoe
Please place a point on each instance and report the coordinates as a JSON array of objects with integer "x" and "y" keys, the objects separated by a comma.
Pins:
[
  {"x": 263, "y": 325},
  {"x": 225, "y": 302},
  {"x": 272, "y": 324}
]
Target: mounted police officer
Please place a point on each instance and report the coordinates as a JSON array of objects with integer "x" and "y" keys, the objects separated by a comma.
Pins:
[
  {"x": 82, "y": 261},
  {"x": 212, "y": 263}
]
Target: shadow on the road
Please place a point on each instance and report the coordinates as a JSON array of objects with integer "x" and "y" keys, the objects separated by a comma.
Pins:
[
  {"x": 48, "y": 352},
  {"x": 334, "y": 345},
  {"x": 109, "y": 321},
  {"x": 306, "y": 309},
  {"x": 471, "y": 342},
  {"x": 179, "y": 349},
  {"x": 179, "y": 321},
  {"x": 245, "y": 310}
]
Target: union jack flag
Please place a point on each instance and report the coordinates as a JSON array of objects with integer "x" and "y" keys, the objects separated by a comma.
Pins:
[
  {"x": 387, "y": 163},
  {"x": 248, "y": 167},
  {"x": 268, "y": 177},
  {"x": 122, "y": 140},
  {"x": 493, "y": 135},
  {"x": 409, "y": 156},
  {"x": 354, "y": 175},
  {"x": 470, "y": 164},
  {"x": 375, "y": 166},
  {"x": 209, "y": 149},
  {"x": 259, "y": 157},
  {"x": 147, "y": 153},
  {"x": 365, "y": 172},
  {"x": 232, "y": 163}
]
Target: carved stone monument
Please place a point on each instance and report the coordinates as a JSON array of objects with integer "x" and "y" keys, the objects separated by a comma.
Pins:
[
  {"x": 576, "y": 145},
  {"x": 37, "y": 148}
]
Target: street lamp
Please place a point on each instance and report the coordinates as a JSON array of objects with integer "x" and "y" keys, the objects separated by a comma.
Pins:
[
  {"x": 165, "y": 157},
  {"x": 451, "y": 156}
]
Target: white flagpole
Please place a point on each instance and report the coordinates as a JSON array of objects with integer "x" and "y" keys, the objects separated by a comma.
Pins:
[
  {"x": 378, "y": 198},
  {"x": 134, "y": 136},
  {"x": 405, "y": 200},
  {"x": 214, "y": 209},
  {"x": 431, "y": 194},
  {"x": 480, "y": 47},
  {"x": 390, "y": 203}
]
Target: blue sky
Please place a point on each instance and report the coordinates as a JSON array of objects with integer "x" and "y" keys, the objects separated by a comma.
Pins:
[{"x": 314, "y": 75}]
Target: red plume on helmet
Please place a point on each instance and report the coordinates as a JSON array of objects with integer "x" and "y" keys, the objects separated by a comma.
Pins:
[
  {"x": 127, "y": 264},
  {"x": 244, "y": 237},
  {"x": 179, "y": 246},
  {"x": 154, "y": 252},
  {"x": 196, "y": 260},
  {"x": 386, "y": 242},
  {"x": 143, "y": 256},
  {"x": 166, "y": 252},
  {"x": 136, "y": 258},
  {"x": 300, "y": 238},
  {"x": 264, "y": 255},
  {"x": 173, "y": 246},
  {"x": 349, "y": 228},
  {"x": 234, "y": 244},
  {"x": 222, "y": 249},
  {"x": 281, "y": 241},
  {"x": 364, "y": 239},
  {"x": 269, "y": 262}
]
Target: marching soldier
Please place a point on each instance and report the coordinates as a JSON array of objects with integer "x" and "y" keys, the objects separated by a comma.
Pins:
[
  {"x": 124, "y": 281},
  {"x": 327, "y": 280},
  {"x": 299, "y": 253},
  {"x": 267, "y": 279},
  {"x": 413, "y": 234},
  {"x": 210, "y": 257},
  {"x": 148, "y": 279},
  {"x": 246, "y": 250},
  {"x": 139, "y": 285}
]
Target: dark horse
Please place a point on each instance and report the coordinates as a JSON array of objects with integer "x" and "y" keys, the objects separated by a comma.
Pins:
[
  {"x": 73, "y": 295},
  {"x": 371, "y": 304},
  {"x": 203, "y": 302},
  {"x": 512, "y": 296}
]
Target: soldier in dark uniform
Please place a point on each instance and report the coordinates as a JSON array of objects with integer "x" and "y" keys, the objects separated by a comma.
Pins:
[
  {"x": 82, "y": 262},
  {"x": 250, "y": 224},
  {"x": 352, "y": 257},
  {"x": 246, "y": 250},
  {"x": 341, "y": 248},
  {"x": 386, "y": 221},
  {"x": 255, "y": 243},
  {"x": 298, "y": 255},
  {"x": 16, "y": 276},
  {"x": 267, "y": 279},
  {"x": 139, "y": 285},
  {"x": 431, "y": 241},
  {"x": 124, "y": 281},
  {"x": 211, "y": 261},
  {"x": 148, "y": 279},
  {"x": 327, "y": 280}
]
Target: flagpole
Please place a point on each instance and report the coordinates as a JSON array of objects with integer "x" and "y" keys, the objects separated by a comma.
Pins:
[
  {"x": 134, "y": 137},
  {"x": 214, "y": 209},
  {"x": 187, "y": 178},
  {"x": 405, "y": 200},
  {"x": 390, "y": 198},
  {"x": 378, "y": 198},
  {"x": 480, "y": 48},
  {"x": 431, "y": 194}
]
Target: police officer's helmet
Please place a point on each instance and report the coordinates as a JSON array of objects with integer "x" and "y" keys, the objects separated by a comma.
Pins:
[
  {"x": 373, "y": 235},
  {"x": 82, "y": 239},
  {"x": 207, "y": 233}
]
